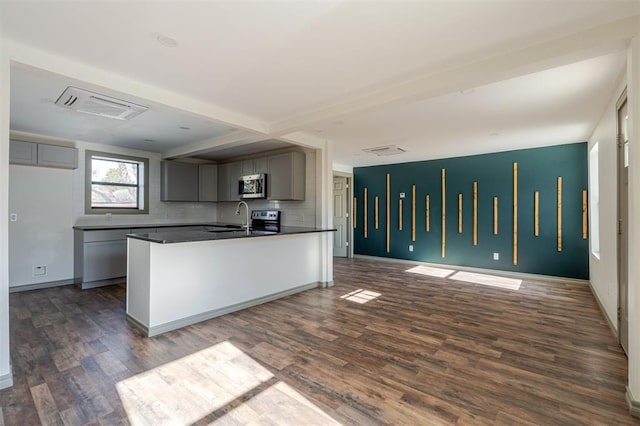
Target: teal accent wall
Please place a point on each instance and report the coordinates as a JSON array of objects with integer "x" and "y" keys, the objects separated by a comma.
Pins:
[{"x": 538, "y": 170}]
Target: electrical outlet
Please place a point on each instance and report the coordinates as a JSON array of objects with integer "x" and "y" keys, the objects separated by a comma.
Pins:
[
  {"x": 402, "y": 195},
  {"x": 13, "y": 217},
  {"x": 410, "y": 247},
  {"x": 496, "y": 256},
  {"x": 39, "y": 270}
]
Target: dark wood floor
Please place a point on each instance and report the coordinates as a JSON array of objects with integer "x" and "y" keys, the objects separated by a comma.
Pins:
[{"x": 425, "y": 351}]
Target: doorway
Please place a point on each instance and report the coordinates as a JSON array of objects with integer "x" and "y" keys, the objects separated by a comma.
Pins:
[
  {"x": 622, "y": 140},
  {"x": 341, "y": 216}
]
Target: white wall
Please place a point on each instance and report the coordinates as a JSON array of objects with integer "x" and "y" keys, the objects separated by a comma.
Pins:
[
  {"x": 50, "y": 201},
  {"x": 603, "y": 271},
  {"x": 295, "y": 213},
  {"x": 5, "y": 363}
]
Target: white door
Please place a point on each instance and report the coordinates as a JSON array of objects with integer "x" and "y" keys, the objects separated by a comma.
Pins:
[
  {"x": 340, "y": 216},
  {"x": 623, "y": 221}
]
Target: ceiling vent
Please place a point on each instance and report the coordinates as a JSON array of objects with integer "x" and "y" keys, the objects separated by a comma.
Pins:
[
  {"x": 383, "y": 151},
  {"x": 97, "y": 104}
]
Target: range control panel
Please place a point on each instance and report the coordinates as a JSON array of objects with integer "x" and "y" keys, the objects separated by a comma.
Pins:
[{"x": 265, "y": 214}]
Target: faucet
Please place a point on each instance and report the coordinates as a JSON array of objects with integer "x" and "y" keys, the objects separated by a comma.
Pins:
[{"x": 238, "y": 213}]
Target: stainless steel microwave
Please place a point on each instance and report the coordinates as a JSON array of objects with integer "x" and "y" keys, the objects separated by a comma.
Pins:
[{"x": 253, "y": 186}]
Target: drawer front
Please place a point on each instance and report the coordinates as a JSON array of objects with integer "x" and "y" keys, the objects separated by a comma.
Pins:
[{"x": 106, "y": 235}]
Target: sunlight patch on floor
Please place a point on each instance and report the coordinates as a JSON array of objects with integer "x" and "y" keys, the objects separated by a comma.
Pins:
[
  {"x": 432, "y": 272},
  {"x": 220, "y": 377},
  {"x": 490, "y": 280},
  {"x": 360, "y": 296}
]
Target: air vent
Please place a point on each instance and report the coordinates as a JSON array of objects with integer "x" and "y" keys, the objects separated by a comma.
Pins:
[
  {"x": 383, "y": 151},
  {"x": 94, "y": 103}
]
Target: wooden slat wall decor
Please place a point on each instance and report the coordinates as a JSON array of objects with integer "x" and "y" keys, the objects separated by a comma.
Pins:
[
  {"x": 400, "y": 214},
  {"x": 515, "y": 213},
  {"x": 459, "y": 213},
  {"x": 475, "y": 213},
  {"x": 584, "y": 214},
  {"x": 413, "y": 213},
  {"x": 355, "y": 212},
  {"x": 375, "y": 211},
  {"x": 444, "y": 221},
  {"x": 364, "y": 212},
  {"x": 388, "y": 211},
  {"x": 495, "y": 215},
  {"x": 559, "y": 213},
  {"x": 427, "y": 218},
  {"x": 536, "y": 213}
]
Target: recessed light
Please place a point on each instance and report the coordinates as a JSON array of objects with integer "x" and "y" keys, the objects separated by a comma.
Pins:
[
  {"x": 185, "y": 128},
  {"x": 149, "y": 140},
  {"x": 165, "y": 40},
  {"x": 467, "y": 91}
]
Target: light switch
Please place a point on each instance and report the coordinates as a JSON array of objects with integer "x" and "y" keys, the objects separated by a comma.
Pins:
[{"x": 13, "y": 217}]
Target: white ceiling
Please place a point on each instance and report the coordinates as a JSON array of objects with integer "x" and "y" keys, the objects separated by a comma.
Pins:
[{"x": 358, "y": 73}]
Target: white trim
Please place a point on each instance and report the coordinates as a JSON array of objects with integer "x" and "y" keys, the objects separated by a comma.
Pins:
[
  {"x": 632, "y": 403},
  {"x": 38, "y": 286},
  {"x": 498, "y": 272},
  {"x": 612, "y": 325},
  {"x": 183, "y": 322},
  {"x": 6, "y": 381}
]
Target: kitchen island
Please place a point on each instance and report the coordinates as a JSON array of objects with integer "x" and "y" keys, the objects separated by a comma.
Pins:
[{"x": 175, "y": 279}]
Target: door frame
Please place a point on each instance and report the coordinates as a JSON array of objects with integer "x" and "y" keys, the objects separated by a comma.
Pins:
[
  {"x": 620, "y": 228},
  {"x": 349, "y": 232}
]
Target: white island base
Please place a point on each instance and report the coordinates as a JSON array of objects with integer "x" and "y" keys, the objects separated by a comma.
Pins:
[{"x": 170, "y": 286}]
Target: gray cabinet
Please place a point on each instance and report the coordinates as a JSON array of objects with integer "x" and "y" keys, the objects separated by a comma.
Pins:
[
  {"x": 57, "y": 156},
  {"x": 286, "y": 176},
  {"x": 37, "y": 154},
  {"x": 179, "y": 181},
  {"x": 208, "y": 182},
  {"x": 99, "y": 257},
  {"x": 228, "y": 178},
  {"x": 23, "y": 152},
  {"x": 254, "y": 166}
]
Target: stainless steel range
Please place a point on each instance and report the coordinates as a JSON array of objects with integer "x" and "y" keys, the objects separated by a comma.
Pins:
[{"x": 265, "y": 220}]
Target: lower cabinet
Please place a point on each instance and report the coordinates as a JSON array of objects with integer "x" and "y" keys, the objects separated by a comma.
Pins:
[{"x": 99, "y": 257}]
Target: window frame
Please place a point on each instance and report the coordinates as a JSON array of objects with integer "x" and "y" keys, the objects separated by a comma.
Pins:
[{"x": 143, "y": 184}]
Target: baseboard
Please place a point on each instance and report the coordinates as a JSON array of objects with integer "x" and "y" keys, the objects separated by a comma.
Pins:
[
  {"x": 6, "y": 381},
  {"x": 633, "y": 404},
  {"x": 39, "y": 286},
  {"x": 101, "y": 283},
  {"x": 612, "y": 326},
  {"x": 508, "y": 274},
  {"x": 183, "y": 322}
]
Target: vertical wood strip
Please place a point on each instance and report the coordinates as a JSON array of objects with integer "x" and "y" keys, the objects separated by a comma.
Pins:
[
  {"x": 413, "y": 213},
  {"x": 444, "y": 222},
  {"x": 427, "y": 214},
  {"x": 460, "y": 213},
  {"x": 584, "y": 215},
  {"x": 375, "y": 211},
  {"x": 364, "y": 212},
  {"x": 400, "y": 215},
  {"x": 515, "y": 213},
  {"x": 388, "y": 211},
  {"x": 355, "y": 212},
  {"x": 495, "y": 215},
  {"x": 559, "y": 213},
  {"x": 536, "y": 213},
  {"x": 475, "y": 213}
]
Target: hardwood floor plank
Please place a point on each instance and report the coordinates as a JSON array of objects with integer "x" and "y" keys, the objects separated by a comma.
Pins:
[{"x": 427, "y": 350}]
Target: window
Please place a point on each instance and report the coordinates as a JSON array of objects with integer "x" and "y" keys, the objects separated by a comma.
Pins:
[
  {"x": 116, "y": 184},
  {"x": 594, "y": 205}
]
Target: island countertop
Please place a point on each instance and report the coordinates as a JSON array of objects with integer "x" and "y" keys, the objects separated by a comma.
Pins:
[{"x": 219, "y": 233}]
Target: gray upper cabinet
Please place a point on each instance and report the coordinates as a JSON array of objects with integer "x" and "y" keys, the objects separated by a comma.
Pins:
[
  {"x": 179, "y": 181},
  {"x": 57, "y": 156},
  {"x": 23, "y": 152},
  {"x": 228, "y": 177},
  {"x": 37, "y": 154},
  {"x": 286, "y": 176},
  {"x": 208, "y": 182},
  {"x": 254, "y": 166}
]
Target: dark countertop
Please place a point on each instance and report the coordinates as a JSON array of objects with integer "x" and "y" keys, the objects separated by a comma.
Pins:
[
  {"x": 222, "y": 234},
  {"x": 146, "y": 225}
]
